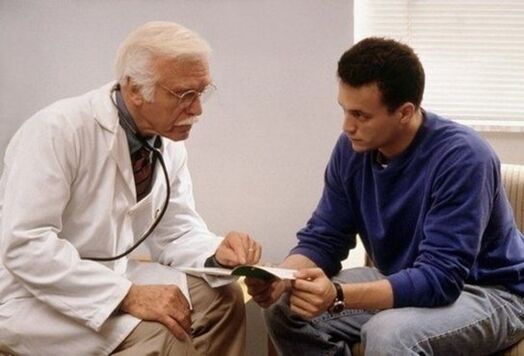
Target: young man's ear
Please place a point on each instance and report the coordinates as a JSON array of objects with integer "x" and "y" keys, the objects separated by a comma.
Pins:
[{"x": 406, "y": 112}]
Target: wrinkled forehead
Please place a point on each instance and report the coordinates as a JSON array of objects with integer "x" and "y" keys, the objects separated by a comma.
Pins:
[{"x": 184, "y": 72}]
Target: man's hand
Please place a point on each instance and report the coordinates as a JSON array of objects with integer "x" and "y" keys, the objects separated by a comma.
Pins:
[
  {"x": 312, "y": 293},
  {"x": 162, "y": 303},
  {"x": 266, "y": 292},
  {"x": 238, "y": 249}
]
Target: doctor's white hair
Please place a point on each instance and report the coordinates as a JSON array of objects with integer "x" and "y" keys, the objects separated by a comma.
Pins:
[{"x": 152, "y": 40}]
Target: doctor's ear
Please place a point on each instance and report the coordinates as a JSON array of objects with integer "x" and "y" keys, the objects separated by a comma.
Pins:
[{"x": 135, "y": 92}]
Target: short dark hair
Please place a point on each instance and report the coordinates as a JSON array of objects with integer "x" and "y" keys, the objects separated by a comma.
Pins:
[{"x": 392, "y": 65}]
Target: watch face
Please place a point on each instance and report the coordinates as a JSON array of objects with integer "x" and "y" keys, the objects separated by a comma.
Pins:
[{"x": 337, "y": 307}]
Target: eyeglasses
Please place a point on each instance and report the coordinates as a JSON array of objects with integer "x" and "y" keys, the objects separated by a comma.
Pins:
[{"x": 187, "y": 97}]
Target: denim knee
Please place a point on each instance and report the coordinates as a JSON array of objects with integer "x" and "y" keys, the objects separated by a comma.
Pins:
[
  {"x": 386, "y": 334},
  {"x": 277, "y": 315},
  {"x": 293, "y": 335}
]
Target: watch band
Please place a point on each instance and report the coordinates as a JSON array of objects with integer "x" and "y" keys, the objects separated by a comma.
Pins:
[
  {"x": 340, "y": 292},
  {"x": 338, "y": 304},
  {"x": 212, "y": 261}
]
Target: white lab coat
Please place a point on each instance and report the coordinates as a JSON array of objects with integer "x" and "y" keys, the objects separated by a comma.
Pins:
[{"x": 67, "y": 192}]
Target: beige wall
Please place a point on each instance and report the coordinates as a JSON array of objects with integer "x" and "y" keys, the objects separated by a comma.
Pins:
[
  {"x": 257, "y": 158},
  {"x": 509, "y": 146}
]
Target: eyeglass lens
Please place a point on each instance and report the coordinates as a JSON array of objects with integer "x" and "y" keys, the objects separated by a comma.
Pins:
[{"x": 190, "y": 96}]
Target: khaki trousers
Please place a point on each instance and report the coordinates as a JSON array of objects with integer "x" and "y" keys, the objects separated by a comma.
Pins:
[{"x": 218, "y": 323}]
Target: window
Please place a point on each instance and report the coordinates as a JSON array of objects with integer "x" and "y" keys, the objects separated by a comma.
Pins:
[{"x": 472, "y": 52}]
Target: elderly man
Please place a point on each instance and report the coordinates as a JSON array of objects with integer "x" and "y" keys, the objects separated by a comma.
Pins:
[
  {"x": 85, "y": 181},
  {"x": 426, "y": 197}
]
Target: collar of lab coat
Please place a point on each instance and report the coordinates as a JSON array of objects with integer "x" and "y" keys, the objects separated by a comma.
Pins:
[
  {"x": 105, "y": 112},
  {"x": 106, "y": 115}
]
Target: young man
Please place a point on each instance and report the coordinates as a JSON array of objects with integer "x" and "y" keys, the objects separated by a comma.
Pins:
[
  {"x": 84, "y": 180},
  {"x": 425, "y": 196}
]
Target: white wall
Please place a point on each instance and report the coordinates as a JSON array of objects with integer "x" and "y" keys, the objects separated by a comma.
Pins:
[{"x": 257, "y": 158}]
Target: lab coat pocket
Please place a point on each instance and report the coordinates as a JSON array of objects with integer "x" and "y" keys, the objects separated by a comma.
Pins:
[{"x": 142, "y": 216}]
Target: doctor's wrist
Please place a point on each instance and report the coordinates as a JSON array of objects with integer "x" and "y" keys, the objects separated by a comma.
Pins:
[{"x": 213, "y": 262}]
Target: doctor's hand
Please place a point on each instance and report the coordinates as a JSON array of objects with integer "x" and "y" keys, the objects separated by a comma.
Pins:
[
  {"x": 236, "y": 249},
  {"x": 162, "y": 303},
  {"x": 266, "y": 292},
  {"x": 312, "y": 293}
]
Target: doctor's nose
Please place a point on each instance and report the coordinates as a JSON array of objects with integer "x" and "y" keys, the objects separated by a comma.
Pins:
[{"x": 195, "y": 108}]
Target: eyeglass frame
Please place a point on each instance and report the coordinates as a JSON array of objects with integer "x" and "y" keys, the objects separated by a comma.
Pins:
[{"x": 210, "y": 88}]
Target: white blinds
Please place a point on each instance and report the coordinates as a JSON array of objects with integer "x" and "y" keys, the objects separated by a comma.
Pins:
[{"x": 472, "y": 51}]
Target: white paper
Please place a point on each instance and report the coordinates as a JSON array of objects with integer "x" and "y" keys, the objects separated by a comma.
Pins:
[{"x": 246, "y": 270}]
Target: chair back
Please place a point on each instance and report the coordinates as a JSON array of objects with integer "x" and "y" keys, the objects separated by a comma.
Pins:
[{"x": 513, "y": 181}]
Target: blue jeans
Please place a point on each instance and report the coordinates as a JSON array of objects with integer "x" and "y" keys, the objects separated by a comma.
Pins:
[{"x": 481, "y": 321}]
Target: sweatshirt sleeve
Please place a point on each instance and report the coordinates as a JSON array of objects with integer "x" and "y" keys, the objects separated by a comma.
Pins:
[
  {"x": 330, "y": 232},
  {"x": 462, "y": 191}
]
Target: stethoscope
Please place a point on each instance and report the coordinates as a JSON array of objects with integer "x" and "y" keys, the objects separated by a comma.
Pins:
[{"x": 157, "y": 155}]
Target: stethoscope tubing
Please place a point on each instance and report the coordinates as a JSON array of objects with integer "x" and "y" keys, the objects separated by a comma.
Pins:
[{"x": 158, "y": 155}]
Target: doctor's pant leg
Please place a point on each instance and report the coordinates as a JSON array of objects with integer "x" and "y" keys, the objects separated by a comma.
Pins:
[
  {"x": 153, "y": 338},
  {"x": 218, "y": 324},
  {"x": 219, "y": 318}
]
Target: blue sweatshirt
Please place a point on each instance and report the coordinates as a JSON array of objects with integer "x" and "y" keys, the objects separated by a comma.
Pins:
[{"x": 435, "y": 218}]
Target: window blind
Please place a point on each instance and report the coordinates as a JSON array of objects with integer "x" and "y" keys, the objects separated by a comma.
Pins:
[{"x": 472, "y": 52}]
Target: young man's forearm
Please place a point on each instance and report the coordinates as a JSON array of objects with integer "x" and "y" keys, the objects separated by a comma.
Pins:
[
  {"x": 368, "y": 295},
  {"x": 297, "y": 262}
]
